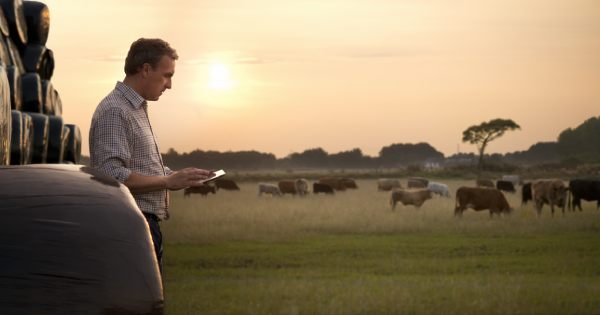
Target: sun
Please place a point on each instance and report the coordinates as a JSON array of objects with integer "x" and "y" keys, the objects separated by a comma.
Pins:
[{"x": 219, "y": 77}]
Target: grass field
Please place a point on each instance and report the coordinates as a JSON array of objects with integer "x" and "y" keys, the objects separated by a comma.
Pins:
[{"x": 234, "y": 253}]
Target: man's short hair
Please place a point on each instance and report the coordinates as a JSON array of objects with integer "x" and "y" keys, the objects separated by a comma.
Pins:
[{"x": 147, "y": 50}]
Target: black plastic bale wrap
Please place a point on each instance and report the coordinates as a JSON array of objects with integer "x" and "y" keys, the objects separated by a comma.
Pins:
[
  {"x": 48, "y": 65},
  {"x": 65, "y": 144},
  {"x": 27, "y": 138},
  {"x": 33, "y": 57},
  {"x": 16, "y": 142},
  {"x": 5, "y": 119},
  {"x": 48, "y": 97},
  {"x": 4, "y": 29},
  {"x": 41, "y": 125},
  {"x": 16, "y": 90},
  {"x": 74, "y": 242},
  {"x": 17, "y": 24},
  {"x": 57, "y": 104},
  {"x": 4, "y": 56},
  {"x": 37, "y": 16},
  {"x": 31, "y": 93},
  {"x": 14, "y": 54},
  {"x": 56, "y": 135},
  {"x": 73, "y": 150}
]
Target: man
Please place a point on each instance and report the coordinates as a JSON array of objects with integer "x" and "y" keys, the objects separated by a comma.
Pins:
[{"x": 122, "y": 143}]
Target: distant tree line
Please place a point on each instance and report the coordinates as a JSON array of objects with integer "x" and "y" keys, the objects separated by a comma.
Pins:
[{"x": 580, "y": 145}]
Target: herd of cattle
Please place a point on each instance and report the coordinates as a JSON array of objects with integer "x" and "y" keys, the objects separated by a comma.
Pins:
[{"x": 484, "y": 196}]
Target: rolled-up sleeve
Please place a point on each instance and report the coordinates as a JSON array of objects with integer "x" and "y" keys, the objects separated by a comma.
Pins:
[
  {"x": 168, "y": 171},
  {"x": 111, "y": 145}
]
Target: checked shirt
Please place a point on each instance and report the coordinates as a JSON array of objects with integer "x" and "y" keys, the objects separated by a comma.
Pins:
[{"x": 122, "y": 142}]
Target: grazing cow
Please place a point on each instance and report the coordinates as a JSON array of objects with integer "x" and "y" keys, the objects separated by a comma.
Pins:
[
  {"x": 335, "y": 183},
  {"x": 506, "y": 186},
  {"x": 484, "y": 183},
  {"x": 204, "y": 190},
  {"x": 588, "y": 190},
  {"x": 526, "y": 194},
  {"x": 349, "y": 183},
  {"x": 301, "y": 187},
  {"x": 415, "y": 184},
  {"x": 415, "y": 197},
  {"x": 548, "y": 191},
  {"x": 322, "y": 188},
  {"x": 287, "y": 186},
  {"x": 481, "y": 198},
  {"x": 514, "y": 179},
  {"x": 268, "y": 189},
  {"x": 439, "y": 189},
  {"x": 386, "y": 184},
  {"x": 422, "y": 180},
  {"x": 226, "y": 184}
]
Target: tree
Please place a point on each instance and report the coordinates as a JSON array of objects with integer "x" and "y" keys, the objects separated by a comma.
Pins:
[
  {"x": 481, "y": 135},
  {"x": 580, "y": 145}
]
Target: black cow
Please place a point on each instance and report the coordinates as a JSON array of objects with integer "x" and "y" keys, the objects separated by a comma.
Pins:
[
  {"x": 324, "y": 188},
  {"x": 526, "y": 194},
  {"x": 586, "y": 189},
  {"x": 226, "y": 184},
  {"x": 506, "y": 186}
]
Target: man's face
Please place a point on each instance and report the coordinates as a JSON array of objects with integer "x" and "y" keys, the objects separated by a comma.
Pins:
[{"x": 159, "y": 79}]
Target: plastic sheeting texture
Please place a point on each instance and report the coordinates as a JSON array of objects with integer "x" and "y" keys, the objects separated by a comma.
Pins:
[
  {"x": 5, "y": 119},
  {"x": 73, "y": 241}
]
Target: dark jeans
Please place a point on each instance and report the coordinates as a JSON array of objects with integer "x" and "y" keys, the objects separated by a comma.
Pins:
[{"x": 156, "y": 238}]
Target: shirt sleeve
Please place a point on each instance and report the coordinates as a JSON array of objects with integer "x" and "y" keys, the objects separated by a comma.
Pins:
[
  {"x": 111, "y": 145},
  {"x": 168, "y": 171}
]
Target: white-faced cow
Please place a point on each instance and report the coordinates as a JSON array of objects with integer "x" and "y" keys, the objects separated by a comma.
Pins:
[
  {"x": 416, "y": 197},
  {"x": 548, "y": 191},
  {"x": 481, "y": 198}
]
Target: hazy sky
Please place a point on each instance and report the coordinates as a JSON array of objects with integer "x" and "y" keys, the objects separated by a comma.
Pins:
[{"x": 279, "y": 76}]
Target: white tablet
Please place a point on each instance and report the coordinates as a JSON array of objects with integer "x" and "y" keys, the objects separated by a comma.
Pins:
[{"x": 218, "y": 174}]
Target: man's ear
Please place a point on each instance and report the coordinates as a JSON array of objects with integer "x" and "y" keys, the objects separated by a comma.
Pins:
[{"x": 146, "y": 69}]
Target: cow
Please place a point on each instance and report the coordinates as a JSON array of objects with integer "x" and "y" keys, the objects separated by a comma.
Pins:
[
  {"x": 422, "y": 180},
  {"x": 484, "y": 183},
  {"x": 415, "y": 184},
  {"x": 322, "y": 188},
  {"x": 335, "y": 183},
  {"x": 548, "y": 191},
  {"x": 439, "y": 189},
  {"x": 349, "y": 183},
  {"x": 287, "y": 186},
  {"x": 526, "y": 193},
  {"x": 301, "y": 187},
  {"x": 416, "y": 197},
  {"x": 386, "y": 184},
  {"x": 226, "y": 184},
  {"x": 203, "y": 191},
  {"x": 481, "y": 198},
  {"x": 586, "y": 189},
  {"x": 506, "y": 186},
  {"x": 514, "y": 179},
  {"x": 268, "y": 189}
]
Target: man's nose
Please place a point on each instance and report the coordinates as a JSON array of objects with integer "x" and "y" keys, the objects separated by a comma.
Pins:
[{"x": 168, "y": 85}]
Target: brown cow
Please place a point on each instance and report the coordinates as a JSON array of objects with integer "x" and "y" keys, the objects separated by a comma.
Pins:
[
  {"x": 226, "y": 184},
  {"x": 481, "y": 198},
  {"x": 415, "y": 197},
  {"x": 548, "y": 191},
  {"x": 287, "y": 186},
  {"x": 422, "y": 180},
  {"x": 335, "y": 183},
  {"x": 204, "y": 190},
  {"x": 415, "y": 184},
  {"x": 349, "y": 183},
  {"x": 386, "y": 184},
  {"x": 484, "y": 183}
]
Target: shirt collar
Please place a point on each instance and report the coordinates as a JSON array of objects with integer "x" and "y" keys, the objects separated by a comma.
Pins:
[{"x": 132, "y": 96}]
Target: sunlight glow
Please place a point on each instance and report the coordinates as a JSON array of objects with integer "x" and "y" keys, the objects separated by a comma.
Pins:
[{"x": 219, "y": 78}]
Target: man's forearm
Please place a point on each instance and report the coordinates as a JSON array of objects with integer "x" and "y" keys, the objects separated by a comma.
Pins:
[{"x": 139, "y": 184}]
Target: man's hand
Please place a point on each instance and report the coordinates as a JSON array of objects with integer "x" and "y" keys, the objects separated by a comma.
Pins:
[{"x": 187, "y": 177}]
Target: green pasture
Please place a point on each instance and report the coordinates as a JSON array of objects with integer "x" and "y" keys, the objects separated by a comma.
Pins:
[{"x": 234, "y": 253}]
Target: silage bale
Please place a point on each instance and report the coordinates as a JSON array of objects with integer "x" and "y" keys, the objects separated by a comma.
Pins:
[
  {"x": 16, "y": 142},
  {"x": 37, "y": 16},
  {"x": 47, "y": 68},
  {"x": 73, "y": 150},
  {"x": 33, "y": 57},
  {"x": 28, "y": 134},
  {"x": 65, "y": 144},
  {"x": 4, "y": 53},
  {"x": 74, "y": 242},
  {"x": 56, "y": 134},
  {"x": 57, "y": 104},
  {"x": 17, "y": 24},
  {"x": 41, "y": 125},
  {"x": 14, "y": 54},
  {"x": 48, "y": 97},
  {"x": 15, "y": 85},
  {"x": 31, "y": 93},
  {"x": 3, "y": 24},
  {"x": 5, "y": 119}
]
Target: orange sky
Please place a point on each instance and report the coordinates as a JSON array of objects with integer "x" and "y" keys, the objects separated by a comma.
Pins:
[{"x": 339, "y": 74}]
